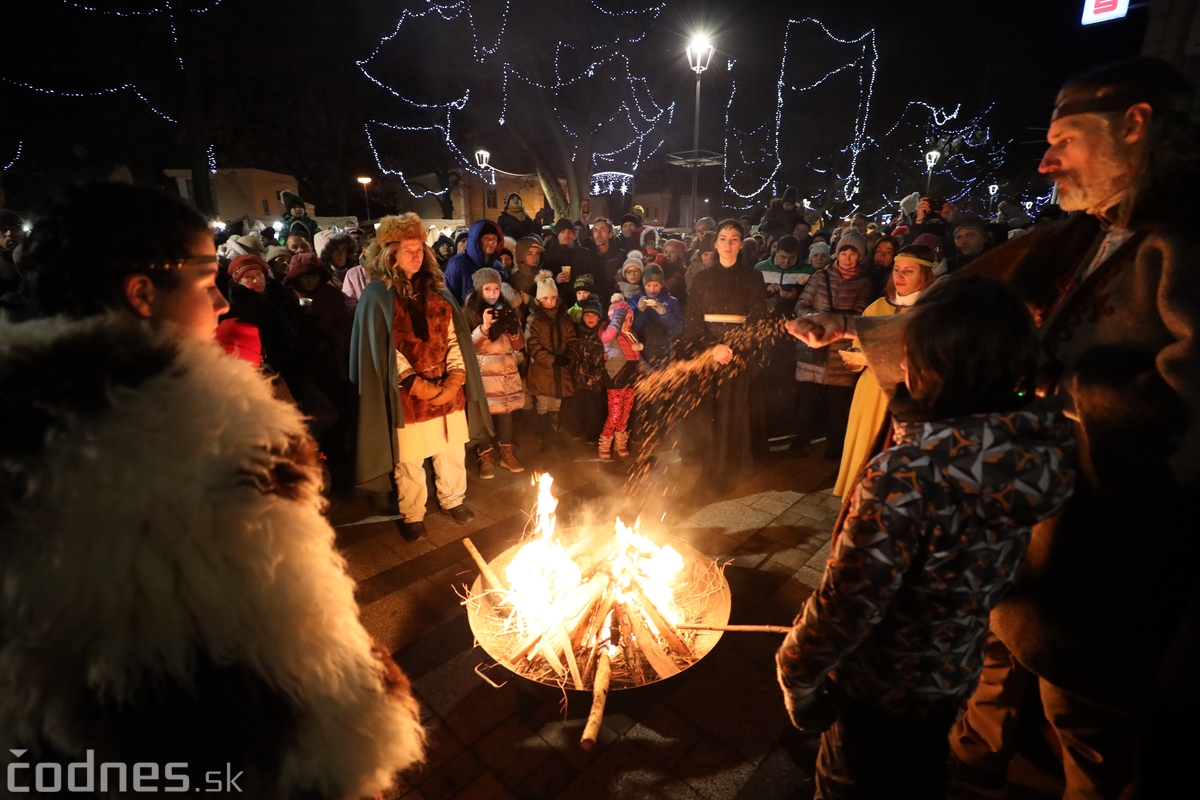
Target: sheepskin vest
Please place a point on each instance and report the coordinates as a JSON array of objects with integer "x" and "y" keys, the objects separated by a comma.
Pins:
[
  {"x": 426, "y": 356},
  {"x": 171, "y": 588}
]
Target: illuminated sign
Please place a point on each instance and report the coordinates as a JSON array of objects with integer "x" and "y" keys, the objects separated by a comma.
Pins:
[{"x": 1103, "y": 10}]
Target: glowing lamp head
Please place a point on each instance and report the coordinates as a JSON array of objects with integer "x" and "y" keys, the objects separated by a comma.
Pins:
[
  {"x": 993, "y": 189},
  {"x": 699, "y": 53},
  {"x": 364, "y": 181},
  {"x": 483, "y": 158},
  {"x": 931, "y": 158}
]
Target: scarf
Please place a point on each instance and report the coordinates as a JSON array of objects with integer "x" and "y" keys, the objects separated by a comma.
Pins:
[{"x": 905, "y": 301}]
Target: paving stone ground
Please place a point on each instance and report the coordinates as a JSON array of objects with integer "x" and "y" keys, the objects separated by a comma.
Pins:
[{"x": 717, "y": 731}]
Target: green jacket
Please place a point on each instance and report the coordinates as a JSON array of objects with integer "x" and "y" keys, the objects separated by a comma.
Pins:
[{"x": 373, "y": 371}]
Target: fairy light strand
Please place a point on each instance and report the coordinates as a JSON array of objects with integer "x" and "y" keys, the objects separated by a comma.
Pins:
[{"x": 15, "y": 158}]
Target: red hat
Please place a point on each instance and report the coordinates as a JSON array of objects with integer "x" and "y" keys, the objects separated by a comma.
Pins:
[
  {"x": 899, "y": 230},
  {"x": 243, "y": 264},
  {"x": 240, "y": 340}
]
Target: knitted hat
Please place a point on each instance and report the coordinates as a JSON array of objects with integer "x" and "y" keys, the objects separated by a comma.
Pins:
[
  {"x": 393, "y": 229},
  {"x": 585, "y": 281},
  {"x": 818, "y": 247},
  {"x": 789, "y": 244},
  {"x": 564, "y": 224},
  {"x": 275, "y": 251},
  {"x": 790, "y": 194},
  {"x": 631, "y": 218},
  {"x": 290, "y": 200},
  {"x": 707, "y": 222},
  {"x": 250, "y": 242},
  {"x": 545, "y": 285},
  {"x": 634, "y": 259},
  {"x": 243, "y": 264},
  {"x": 510, "y": 196},
  {"x": 484, "y": 276},
  {"x": 852, "y": 238},
  {"x": 9, "y": 219},
  {"x": 304, "y": 264},
  {"x": 971, "y": 222},
  {"x": 591, "y": 304},
  {"x": 929, "y": 240},
  {"x": 653, "y": 273}
]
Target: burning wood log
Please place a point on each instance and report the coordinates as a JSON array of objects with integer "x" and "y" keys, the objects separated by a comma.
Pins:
[
  {"x": 489, "y": 575},
  {"x": 665, "y": 628},
  {"x": 569, "y": 650},
  {"x": 649, "y": 646},
  {"x": 591, "y": 731}
]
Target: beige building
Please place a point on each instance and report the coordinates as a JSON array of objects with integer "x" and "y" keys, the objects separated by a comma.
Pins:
[
  {"x": 1173, "y": 34},
  {"x": 242, "y": 192}
]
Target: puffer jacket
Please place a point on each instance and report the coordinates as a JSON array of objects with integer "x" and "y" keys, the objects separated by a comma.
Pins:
[
  {"x": 935, "y": 534},
  {"x": 549, "y": 333},
  {"x": 849, "y": 297},
  {"x": 462, "y": 266},
  {"x": 590, "y": 359},
  {"x": 498, "y": 363}
]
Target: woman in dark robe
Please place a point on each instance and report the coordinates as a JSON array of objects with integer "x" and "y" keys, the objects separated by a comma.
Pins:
[{"x": 726, "y": 308}]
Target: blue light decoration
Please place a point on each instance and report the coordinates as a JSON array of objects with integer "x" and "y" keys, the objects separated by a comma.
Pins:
[
  {"x": 15, "y": 158},
  {"x": 754, "y": 163},
  {"x": 638, "y": 113}
]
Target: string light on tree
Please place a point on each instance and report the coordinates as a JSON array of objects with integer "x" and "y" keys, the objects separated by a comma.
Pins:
[{"x": 15, "y": 158}]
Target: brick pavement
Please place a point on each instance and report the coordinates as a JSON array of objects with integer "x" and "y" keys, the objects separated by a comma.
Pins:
[{"x": 717, "y": 731}]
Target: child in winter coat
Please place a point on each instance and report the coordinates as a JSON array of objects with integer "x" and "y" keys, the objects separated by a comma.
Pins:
[
  {"x": 935, "y": 532},
  {"x": 585, "y": 287},
  {"x": 659, "y": 319},
  {"x": 496, "y": 332},
  {"x": 629, "y": 279},
  {"x": 591, "y": 394},
  {"x": 550, "y": 339},
  {"x": 622, "y": 352}
]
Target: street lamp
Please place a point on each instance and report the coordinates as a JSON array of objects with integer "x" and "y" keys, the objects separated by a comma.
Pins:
[
  {"x": 992, "y": 195},
  {"x": 482, "y": 158},
  {"x": 931, "y": 158},
  {"x": 699, "y": 53},
  {"x": 365, "y": 182}
]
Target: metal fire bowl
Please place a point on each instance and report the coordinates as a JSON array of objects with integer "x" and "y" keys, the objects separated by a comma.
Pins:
[{"x": 715, "y": 613}]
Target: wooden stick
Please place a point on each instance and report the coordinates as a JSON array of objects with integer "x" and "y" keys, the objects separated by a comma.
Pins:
[
  {"x": 591, "y": 731},
  {"x": 739, "y": 628},
  {"x": 569, "y": 651},
  {"x": 485, "y": 569},
  {"x": 627, "y": 647}
]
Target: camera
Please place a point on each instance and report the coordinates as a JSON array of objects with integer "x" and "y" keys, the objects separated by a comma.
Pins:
[{"x": 504, "y": 322}]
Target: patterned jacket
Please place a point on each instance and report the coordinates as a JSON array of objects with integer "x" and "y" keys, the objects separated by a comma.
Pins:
[
  {"x": 590, "y": 361},
  {"x": 936, "y": 531}
]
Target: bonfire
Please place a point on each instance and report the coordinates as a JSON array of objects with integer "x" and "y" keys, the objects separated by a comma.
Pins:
[{"x": 596, "y": 608}]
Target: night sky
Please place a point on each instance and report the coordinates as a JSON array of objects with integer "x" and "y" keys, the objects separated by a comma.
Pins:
[{"x": 281, "y": 88}]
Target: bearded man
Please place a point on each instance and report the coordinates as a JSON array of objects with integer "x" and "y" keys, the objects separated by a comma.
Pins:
[{"x": 1116, "y": 293}]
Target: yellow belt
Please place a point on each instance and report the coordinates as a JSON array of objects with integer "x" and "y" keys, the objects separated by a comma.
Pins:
[{"x": 733, "y": 319}]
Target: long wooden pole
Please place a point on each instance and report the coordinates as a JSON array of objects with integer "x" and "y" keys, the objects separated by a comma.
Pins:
[
  {"x": 489, "y": 574},
  {"x": 591, "y": 731},
  {"x": 736, "y": 628}
]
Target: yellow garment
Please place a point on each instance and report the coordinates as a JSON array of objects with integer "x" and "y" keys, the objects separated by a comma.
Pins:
[{"x": 866, "y": 410}]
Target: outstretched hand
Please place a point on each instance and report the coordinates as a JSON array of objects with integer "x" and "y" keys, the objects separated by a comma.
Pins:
[{"x": 818, "y": 330}]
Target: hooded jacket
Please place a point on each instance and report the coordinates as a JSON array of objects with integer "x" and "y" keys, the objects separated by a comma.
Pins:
[
  {"x": 935, "y": 533},
  {"x": 172, "y": 592},
  {"x": 461, "y": 267}
]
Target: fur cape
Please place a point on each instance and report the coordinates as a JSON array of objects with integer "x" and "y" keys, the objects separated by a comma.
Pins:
[{"x": 171, "y": 588}]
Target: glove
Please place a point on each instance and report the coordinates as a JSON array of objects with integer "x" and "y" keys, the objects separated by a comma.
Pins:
[
  {"x": 561, "y": 361},
  {"x": 422, "y": 389},
  {"x": 642, "y": 304},
  {"x": 661, "y": 309},
  {"x": 454, "y": 381}
]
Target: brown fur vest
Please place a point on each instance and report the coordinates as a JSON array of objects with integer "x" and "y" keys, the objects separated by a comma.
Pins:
[{"x": 426, "y": 356}]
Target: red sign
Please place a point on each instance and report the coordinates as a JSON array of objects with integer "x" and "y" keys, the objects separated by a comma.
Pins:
[{"x": 1103, "y": 10}]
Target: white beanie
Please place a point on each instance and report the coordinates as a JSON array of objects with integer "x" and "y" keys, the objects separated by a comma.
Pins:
[
  {"x": 545, "y": 285},
  {"x": 636, "y": 259},
  {"x": 818, "y": 247}
]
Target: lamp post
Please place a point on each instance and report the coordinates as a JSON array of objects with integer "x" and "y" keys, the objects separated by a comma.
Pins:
[
  {"x": 699, "y": 53},
  {"x": 365, "y": 182},
  {"x": 931, "y": 158},
  {"x": 992, "y": 196}
]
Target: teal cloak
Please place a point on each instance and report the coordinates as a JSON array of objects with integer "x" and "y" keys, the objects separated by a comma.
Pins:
[{"x": 373, "y": 371}]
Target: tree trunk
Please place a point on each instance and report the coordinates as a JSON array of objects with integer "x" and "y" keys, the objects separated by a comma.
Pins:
[
  {"x": 194, "y": 120},
  {"x": 553, "y": 190}
]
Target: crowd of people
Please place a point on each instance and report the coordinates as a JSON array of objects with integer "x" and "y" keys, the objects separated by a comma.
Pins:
[{"x": 1003, "y": 397}]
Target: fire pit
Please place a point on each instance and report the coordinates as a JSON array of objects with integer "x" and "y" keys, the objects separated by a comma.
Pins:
[{"x": 596, "y": 607}]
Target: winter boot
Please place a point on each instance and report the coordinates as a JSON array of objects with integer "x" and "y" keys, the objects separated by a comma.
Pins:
[
  {"x": 508, "y": 460},
  {"x": 554, "y": 421},
  {"x": 622, "y": 443},
  {"x": 606, "y": 443},
  {"x": 487, "y": 470}
]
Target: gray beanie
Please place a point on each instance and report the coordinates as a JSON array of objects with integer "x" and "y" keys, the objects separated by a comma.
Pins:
[
  {"x": 485, "y": 275},
  {"x": 653, "y": 273},
  {"x": 852, "y": 238},
  {"x": 707, "y": 221}
]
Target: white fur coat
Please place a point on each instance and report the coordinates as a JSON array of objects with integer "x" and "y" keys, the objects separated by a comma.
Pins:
[{"x": 160, "y": 509}]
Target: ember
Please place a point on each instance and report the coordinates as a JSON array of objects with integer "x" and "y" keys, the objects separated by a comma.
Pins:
[{"x": 597, "y": 606}]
